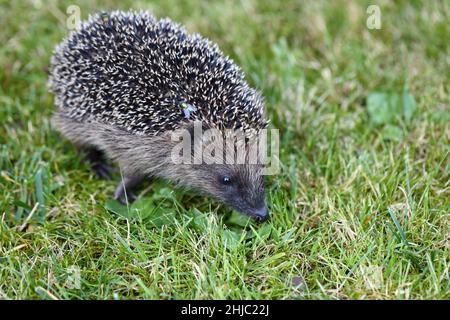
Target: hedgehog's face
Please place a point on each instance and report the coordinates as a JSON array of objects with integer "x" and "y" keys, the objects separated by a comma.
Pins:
[{"x": 241, "y": 187}]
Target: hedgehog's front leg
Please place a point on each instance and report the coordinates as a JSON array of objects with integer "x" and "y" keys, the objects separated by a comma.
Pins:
[{"x": 123, "y": 192}]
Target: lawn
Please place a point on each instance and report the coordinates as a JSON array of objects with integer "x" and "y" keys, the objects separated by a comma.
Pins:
[{"x": 360, "y": 208}]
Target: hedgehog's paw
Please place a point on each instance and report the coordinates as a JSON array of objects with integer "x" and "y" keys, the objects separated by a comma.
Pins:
[
  {"x": 102, "y": 170},
  {"x": 124, "y": 193},
  {"x": 124, "y": 197},
  {"x": 96, "y": 160}
]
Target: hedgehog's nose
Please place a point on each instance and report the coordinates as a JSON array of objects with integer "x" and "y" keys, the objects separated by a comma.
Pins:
[{"x": 262, "y": 214}]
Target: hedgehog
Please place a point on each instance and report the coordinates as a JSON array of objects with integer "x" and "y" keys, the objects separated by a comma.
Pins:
[{"x": 125, "y": 82}]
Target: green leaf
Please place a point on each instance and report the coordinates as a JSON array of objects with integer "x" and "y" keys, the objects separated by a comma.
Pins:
[
  {"x": 238, "y": 219},
  {"x": 391, "y": 132},
  {"x": 264, "y": 231},
  {"x": 230, "y": 238},
  {"x": 161, "y": 218},
  {"x": 144, "y": 209},
  {"x": 379, "y": 108},
  {"x": 200, "y": 220},
  {"x": 164, "y": 194},
  {"x": 114, "y": 206},
  {"x": 387, "y": 108},
  {"x": 409, "y": 104}
]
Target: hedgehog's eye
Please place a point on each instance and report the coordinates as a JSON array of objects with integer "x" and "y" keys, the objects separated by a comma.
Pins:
[{"x": 226, "y": 180}]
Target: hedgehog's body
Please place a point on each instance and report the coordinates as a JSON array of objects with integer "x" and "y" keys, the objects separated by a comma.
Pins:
[
  {"x": 134, "y": 72},
  {"x": 125, "y": 81}
]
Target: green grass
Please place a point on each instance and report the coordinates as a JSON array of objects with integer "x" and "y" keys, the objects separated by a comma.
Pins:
[{"x": 360, "y": 208}]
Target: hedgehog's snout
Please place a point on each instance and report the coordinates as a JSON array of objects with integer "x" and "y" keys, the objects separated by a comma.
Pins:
[
  {"x": 258, "y": 210},
  {"x": 258, "y": 214},
  {"x": 262, "y": 214}
]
